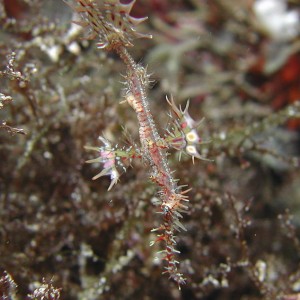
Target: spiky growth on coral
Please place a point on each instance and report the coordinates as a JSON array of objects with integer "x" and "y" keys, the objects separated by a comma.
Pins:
[{"x": 111, "y": 24}]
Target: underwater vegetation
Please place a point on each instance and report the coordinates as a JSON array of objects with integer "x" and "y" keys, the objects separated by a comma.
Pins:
[{"x": 221, "y": 193}]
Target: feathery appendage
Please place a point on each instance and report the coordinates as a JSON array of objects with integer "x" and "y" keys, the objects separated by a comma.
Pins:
[
  {"x": 114, "y": 160},
  {"x": 183, "y": 135},
  {"x": 109, "y": 22}
]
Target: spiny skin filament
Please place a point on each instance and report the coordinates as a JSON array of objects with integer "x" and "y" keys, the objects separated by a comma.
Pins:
[{"x": 109, "y": 22}]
